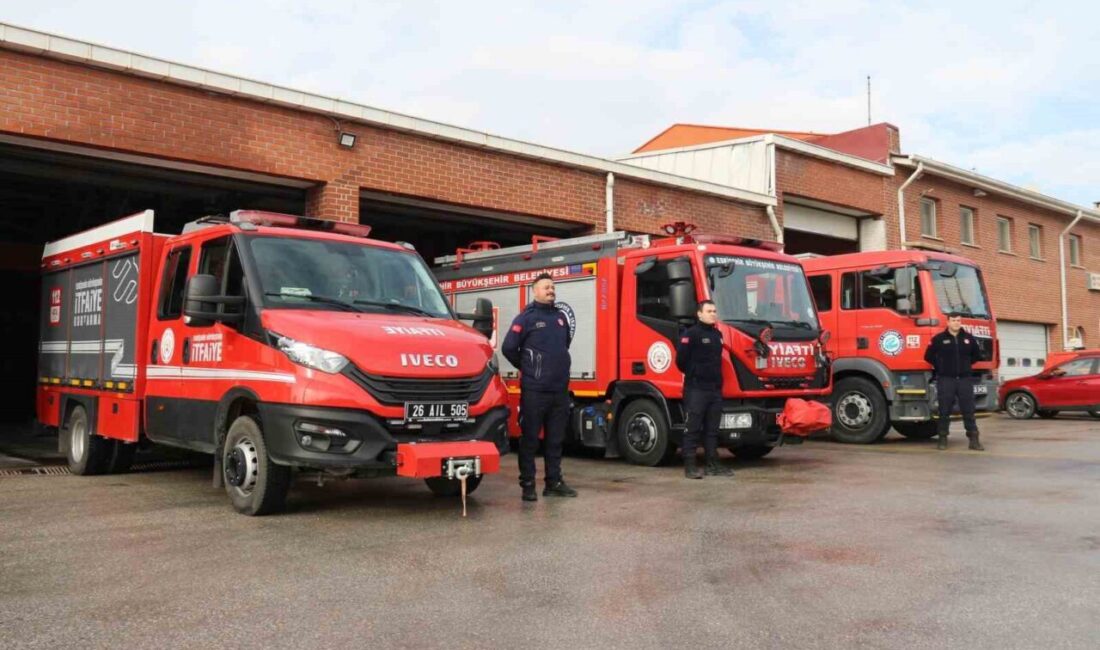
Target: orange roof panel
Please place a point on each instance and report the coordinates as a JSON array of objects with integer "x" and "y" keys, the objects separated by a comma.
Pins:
[{"x": 689, "y": 135}]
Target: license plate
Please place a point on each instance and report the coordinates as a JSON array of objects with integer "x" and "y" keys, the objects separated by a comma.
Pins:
[
  {"x": 417, "y": 412},
  {"x": 981, "y": 389}
]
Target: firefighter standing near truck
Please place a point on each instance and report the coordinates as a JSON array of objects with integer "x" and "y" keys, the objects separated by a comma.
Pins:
[
  {"x": 699, "y": 357},
  {"x": 952, "y": 352},
  {"x": 538, "y": 344}
]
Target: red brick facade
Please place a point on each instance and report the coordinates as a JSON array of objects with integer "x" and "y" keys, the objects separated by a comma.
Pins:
[{"x": 48, "y": 98}]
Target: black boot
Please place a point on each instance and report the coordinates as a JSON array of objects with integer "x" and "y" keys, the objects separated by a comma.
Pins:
[
  {"x": 716, "y": 468},
  {"x": 559, "y": 489},
  {"x": 529, "y": 492},
  {"x": 943, "y": 440},
  {"x": 690, "y": 469},
  {"x": 975, "y": 443}
]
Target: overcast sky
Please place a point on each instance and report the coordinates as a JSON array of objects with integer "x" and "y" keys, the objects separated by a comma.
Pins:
[{"x": 1007, "y": 88}]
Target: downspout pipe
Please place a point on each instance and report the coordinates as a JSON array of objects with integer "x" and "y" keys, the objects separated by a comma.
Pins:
[
  {"x": 775, "y": 224},
  {"x": 609, "y": 203},
  {"x": 1062, "y": 270},
  {"x": 901, "y": 202}
]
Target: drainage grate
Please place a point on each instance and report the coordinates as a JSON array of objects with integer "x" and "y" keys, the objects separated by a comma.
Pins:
[{"x": 63, "y": 470}]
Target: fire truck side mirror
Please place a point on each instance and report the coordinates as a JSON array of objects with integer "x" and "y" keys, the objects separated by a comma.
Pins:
[
  {"x": 681, "y": 290},
  {"x": 197, "y": 307},
  {"x": 482, "y": 317}
]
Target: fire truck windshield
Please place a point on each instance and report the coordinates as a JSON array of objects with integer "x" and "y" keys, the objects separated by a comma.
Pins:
[
  {"x": 961, "y": 291},
  {"x": 754, "y": 293},
  {"x": 319, "y": 274}
]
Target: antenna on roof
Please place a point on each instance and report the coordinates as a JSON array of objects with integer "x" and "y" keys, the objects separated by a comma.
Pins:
[{"x": 868, "y": 100}]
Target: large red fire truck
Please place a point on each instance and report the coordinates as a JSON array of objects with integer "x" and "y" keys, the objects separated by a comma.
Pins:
[
  {"x": 271, "y": 341},
  {"x": 883, "y": 307},
  {"x": 627, "y": 298}
]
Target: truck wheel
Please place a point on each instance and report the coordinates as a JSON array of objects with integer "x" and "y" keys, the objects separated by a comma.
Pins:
[
  {"x": 255, "y": 485},
  {"x": 442, "y": 486},
  {"x": 1020, "y": 406},
  {"x": 1045, "y": 414},
  {"x": 644, "y": 434},
  {"x": 87, "y": 453},
  {"x": 751, "y": 452},
  {"x": 917, "y": 430},
  {"x": 122, "y": 456},
  {"x": 859, "y": 411},
  {"x": 1095, "y": 414}
]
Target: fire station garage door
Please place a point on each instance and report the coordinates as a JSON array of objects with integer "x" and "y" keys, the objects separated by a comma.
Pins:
[
  {"x": 1023, "y": 348},
  {"x": 809, "y": 229}
]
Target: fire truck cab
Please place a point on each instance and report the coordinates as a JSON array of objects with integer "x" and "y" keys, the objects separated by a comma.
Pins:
[
  {"x": 883, "y": 308},
  {"x": 273, "y": 342},
  {"x": 628, "y": 297}
]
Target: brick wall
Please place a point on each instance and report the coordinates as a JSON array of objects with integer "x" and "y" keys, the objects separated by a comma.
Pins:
[
  {"x": 68, "y": 102},
  {"x": 1021, "y": 288},
  {"x": 802, "y": 175}
]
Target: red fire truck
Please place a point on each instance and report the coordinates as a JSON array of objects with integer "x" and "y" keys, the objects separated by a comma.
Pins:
[
  {"x": 271, "y": 341},
  {"x": 627, "y": 298},
  {"x": 883, "y": 307}
]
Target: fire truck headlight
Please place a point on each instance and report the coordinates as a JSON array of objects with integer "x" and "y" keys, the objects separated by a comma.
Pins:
[{"x": 311, "y": 356}]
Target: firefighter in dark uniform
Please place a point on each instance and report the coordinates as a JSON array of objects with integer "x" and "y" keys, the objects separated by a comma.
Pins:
[
  {"x": 952, "y": 352},
  {"x": 699, "y": 357},
  {"x": 538, "y": 344}
]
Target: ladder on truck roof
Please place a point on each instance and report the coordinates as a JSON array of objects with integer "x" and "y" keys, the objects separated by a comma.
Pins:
[{"x": 618, "y": 239}]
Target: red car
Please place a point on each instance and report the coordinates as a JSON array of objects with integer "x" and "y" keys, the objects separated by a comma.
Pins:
[{"x": 1071, "y": 384}]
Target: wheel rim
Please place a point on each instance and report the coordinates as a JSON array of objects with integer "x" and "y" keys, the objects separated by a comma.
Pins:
[
  {"x": 854, "y": 410},
  {"x": 1019, "y": 405},
  {"x": 77, "y": 430},
  {"x": 641, "y": 433},
  {"x": 242, "y": 467}
]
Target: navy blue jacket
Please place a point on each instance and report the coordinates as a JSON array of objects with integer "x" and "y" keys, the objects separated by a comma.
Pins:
[
  {"x": 699, "y": 357},
  {"x": 538, "y": 344},
  {"x": 952, "y": 356}
]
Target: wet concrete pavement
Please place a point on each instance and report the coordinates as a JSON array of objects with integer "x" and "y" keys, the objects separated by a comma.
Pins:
[{"x": 823, "y": 545}]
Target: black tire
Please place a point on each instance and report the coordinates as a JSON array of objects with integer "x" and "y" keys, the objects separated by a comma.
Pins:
[
  {"x": 1020, "y": 405},
  {"x": 917, "y": 430},
  {"x": 442, "y": 486},
  {"x": 859, "y": 411},
  {"x": 255, "y": 485},
  {"x": 122, "y": 456},
  {"x": 750, "y": 452},
  {"x": 1046, "y": 414},
  {"x": 88, "y": 454},
  {"x": 1095, "y": 414},
  {"x": 644, "y": 434}
]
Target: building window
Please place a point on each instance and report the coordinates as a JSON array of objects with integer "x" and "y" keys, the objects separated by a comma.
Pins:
[
  {"x": 1004, "y": 234},
  {"x": 1034, "y": 240},
  {"x": 966, "y": 225},
  {"x": 1075, "y": 250},
  {"x": 928, "y": 218}
]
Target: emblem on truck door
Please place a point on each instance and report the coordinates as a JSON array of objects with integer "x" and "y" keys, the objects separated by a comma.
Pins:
[
  {"x": 167, "y": 345},
  {"x": 890, "y": 343},
  {"x": 659, "y": 357}
]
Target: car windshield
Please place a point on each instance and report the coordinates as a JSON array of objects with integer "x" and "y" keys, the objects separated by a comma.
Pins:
[
  {"x": 752, "y": 293},
  {"x": 323, "y": 274},
  {"x": 962, "y": 292}
]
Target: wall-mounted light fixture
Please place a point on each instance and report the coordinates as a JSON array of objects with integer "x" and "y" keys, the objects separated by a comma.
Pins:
[
  {"x": 979, "y": 193},
  {"x": 343, "y": 138}
]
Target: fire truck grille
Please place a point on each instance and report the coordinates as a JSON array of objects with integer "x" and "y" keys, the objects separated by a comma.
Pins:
[{"x": 398, "y": 390}]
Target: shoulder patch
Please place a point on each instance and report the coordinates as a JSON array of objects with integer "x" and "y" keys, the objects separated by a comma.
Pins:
[
  {"x": 517, "y": 328},
  {"x": 686, "y": 339}
]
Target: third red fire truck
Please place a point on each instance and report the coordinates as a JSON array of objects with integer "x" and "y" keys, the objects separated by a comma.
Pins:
[
  {"x": 627, "y": 298},
  {"x": 883, "y": 307}
]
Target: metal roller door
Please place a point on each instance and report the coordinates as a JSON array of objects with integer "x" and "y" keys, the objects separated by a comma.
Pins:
[{"x": 1023, "y": 348}]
